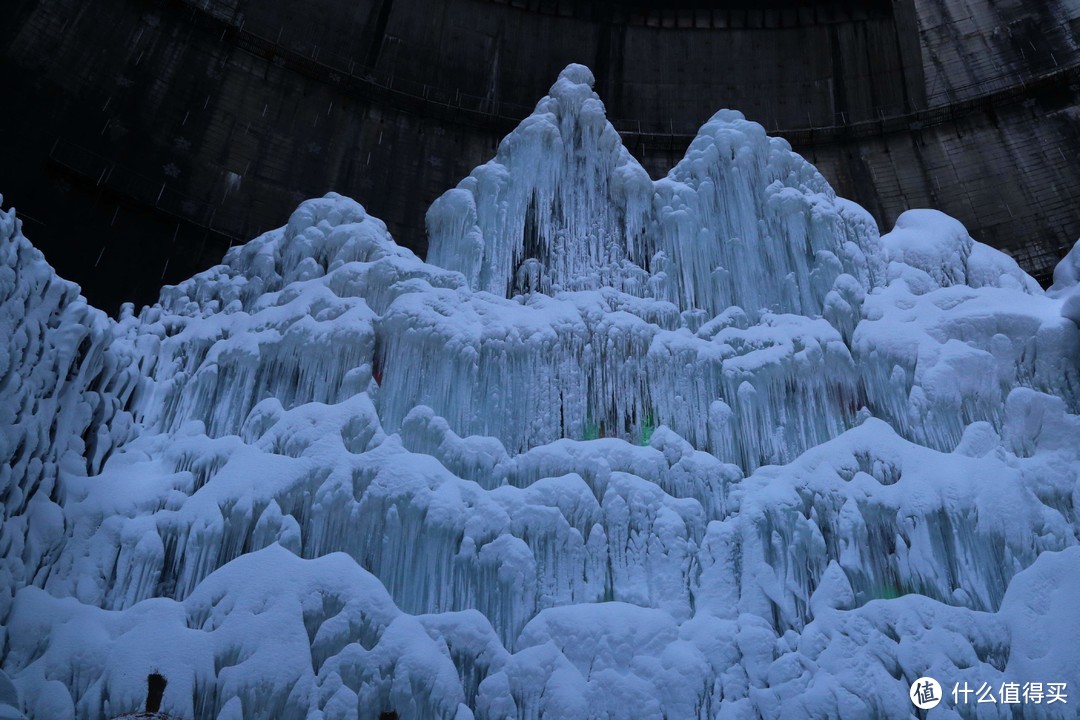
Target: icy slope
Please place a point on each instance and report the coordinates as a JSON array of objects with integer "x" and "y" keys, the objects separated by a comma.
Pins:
[
  {"x": 694, "y": 448},
  {"x": 68, "y": 376}
]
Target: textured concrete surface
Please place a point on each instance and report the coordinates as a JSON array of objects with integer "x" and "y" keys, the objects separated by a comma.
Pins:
[{"x": 143, "y": 136}]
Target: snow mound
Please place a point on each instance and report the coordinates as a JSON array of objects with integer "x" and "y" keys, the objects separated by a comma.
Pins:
[
  {"x": 704, "y": 447},
  {"x": 1067, "y": 272},
  {"x": 1067, "y": 284},
  {"x": 940, "y": 246}
]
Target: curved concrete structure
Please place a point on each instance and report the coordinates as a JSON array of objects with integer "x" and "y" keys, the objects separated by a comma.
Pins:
[{"x": 144, "y": 136}]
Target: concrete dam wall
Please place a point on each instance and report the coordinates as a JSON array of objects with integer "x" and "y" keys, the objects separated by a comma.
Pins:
[{"x": 170, "y": 129}]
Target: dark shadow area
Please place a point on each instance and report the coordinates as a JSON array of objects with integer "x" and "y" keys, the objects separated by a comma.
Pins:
[{"x": 155, "y": 690}]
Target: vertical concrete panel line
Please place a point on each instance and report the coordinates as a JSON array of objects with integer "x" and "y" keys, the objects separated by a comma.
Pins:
[
  {"x": 839, "y": 88},
  {"x": 382, "y": 19},
  {"x": 909, "y": 50}
]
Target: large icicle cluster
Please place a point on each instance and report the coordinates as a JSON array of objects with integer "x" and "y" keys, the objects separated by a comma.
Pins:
[
  {"x": 563, "y": 206},
  {"x": 705, "y": 447}
]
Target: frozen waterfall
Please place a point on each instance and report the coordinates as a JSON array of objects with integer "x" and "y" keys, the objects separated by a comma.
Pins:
[{"x": 700, "y": 447}]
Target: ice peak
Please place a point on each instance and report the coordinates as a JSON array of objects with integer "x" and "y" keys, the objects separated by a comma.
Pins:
[
  {"x": 572, "y": 90},
  {"x": 562, "y": 205},
  {"x": 741, "y": 220},
  {"x": 575, "y": 74}
]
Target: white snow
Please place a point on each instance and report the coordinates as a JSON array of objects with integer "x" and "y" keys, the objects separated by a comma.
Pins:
[
  {"x": 1067, "y": 284},
  {"x": 700, "y": 447}
]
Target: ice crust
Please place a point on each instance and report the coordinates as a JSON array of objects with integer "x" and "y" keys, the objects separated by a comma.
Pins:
[{"x": 704, "y": 447}]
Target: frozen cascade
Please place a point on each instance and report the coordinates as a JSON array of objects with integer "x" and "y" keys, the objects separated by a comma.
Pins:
[
  {"x": 68, "y": 379},
  {"x": 691, "y": 448},
  {"x": 563, "y": 204}
]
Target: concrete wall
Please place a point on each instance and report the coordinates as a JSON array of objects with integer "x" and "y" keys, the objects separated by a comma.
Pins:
[
  {"x": 150, "y": 135},
  {"x": 972, "y": 46}
]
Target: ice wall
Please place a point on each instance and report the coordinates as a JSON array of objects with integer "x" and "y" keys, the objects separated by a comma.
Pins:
[
  {"x": 626, "y": 311},
  {"x": 704, "y": 447},
  {"x": 563, "y": 206},
  {"x": 68, "y": 378}
]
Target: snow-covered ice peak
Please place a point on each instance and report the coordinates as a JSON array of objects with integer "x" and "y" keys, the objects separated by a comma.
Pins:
[
  {"x": 744, "y": 221},
  {"x": 705, "y": 447},
  {"x": 562, "y": 205},
  {"x": 741, "y": 220}
]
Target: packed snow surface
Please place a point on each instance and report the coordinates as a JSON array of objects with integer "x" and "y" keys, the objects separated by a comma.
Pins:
[{"x": 704, "y": 447}]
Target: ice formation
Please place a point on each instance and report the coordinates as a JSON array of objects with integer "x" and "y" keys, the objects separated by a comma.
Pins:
[{"x": 704, "y": 447}]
